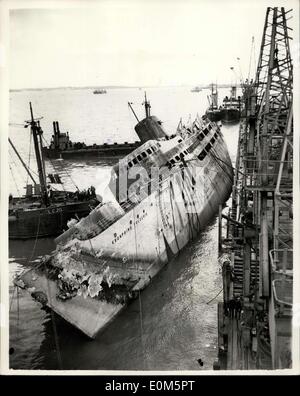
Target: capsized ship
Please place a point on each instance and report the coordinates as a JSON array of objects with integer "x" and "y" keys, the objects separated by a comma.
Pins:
[{"x": 107, "y": 258}]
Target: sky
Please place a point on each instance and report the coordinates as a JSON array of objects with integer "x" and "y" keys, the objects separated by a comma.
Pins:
[{"x": 133, "y": 43}]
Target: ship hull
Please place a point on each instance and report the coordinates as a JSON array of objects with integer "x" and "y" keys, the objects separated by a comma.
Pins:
[
  {"x": 214, "y": 115},
  {"x": 136, "y": 247},
  {"x": 230, "y": 116},
  {"x": 46, "y": 221}
]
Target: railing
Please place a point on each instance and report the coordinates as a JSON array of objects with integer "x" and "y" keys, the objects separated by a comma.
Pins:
[
  {"x": 281, "y": 285},
  {"x": 280, "y": 256}
]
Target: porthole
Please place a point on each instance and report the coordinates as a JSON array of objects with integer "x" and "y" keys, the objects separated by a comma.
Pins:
[
  {"x": 202, "y": 155},
  {"x": 208, "y": 147}
]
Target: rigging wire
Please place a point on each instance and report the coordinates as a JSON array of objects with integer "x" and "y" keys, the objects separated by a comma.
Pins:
[
  {"x": 29, "y": 156},
  {"x": 16, "y": 185},
  {"x": 17, "y": 167},
  {"x": 36, "y": 238},
  {"x": 49, "y": 293},
  {"x": 240, "y": 70},
  {"x": 14, "y": 163},
  {"x": 54, "y": 327},
  {"x": 139, "y": 292},
  {"x": 18, "y": 314},
  {"x": 208, "y": 302},
  {"x": 57, "y": 347}
]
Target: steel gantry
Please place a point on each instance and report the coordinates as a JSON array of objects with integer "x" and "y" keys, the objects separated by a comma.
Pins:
[{"x": 260, "y": 234}]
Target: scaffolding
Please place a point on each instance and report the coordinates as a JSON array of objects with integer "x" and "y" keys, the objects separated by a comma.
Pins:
[{"x": 259, "y": 238}]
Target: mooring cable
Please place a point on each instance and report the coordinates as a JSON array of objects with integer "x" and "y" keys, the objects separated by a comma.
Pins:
[{"x": 208, "y": 302}]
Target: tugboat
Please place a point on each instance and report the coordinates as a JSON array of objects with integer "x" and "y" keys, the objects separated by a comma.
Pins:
[
  {"x": 213, "y": 112},
  {"x": 231, "y": 109},
  {"x": 45, "y": 211},
  {"x": 161, "y": 195}
]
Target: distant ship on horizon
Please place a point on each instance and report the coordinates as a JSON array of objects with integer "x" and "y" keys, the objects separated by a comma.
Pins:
[
  {"x": 196, "y": 89},
  {"x": 100, "y": 91}
]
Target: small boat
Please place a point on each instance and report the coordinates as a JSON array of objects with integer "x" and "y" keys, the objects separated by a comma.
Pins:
[
  {"x": 213, "y": 112},
  {"x": 99, "y": 91},
  {"x": 231, "y": 109},
  {"x": 196, "y": 89},
  {"x": 45, "y": 210}
]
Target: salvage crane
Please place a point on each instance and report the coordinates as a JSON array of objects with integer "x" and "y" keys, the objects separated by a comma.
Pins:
[{"x": 257, "y": 254}]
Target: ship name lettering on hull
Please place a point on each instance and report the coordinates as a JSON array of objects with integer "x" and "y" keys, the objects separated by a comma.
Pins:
[
  {"x": 54, "y": 210},
  {"x": 118, "y": 237}
]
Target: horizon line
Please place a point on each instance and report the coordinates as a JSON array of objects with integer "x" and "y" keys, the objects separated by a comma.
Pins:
[{"x": 118, "y": 86}]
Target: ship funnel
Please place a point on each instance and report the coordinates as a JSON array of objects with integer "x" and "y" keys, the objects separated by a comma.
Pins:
[
  {"x": 150, "y": 129},
  {"x": 233, "y": 92}
]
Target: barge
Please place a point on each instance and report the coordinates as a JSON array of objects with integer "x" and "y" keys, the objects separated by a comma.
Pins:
[{"x": 62, "y": 147}]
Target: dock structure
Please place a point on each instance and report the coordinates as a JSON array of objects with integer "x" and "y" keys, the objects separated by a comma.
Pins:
[{"x": 255, "y": 317}]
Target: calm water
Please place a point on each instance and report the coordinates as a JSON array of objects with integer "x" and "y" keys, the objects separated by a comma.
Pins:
[{"x": 173, "y": 324}]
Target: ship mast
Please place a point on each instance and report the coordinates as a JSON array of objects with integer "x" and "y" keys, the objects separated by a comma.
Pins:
[
  {"x": 147, "y": 106},
  {"x": 214, "y": 97},
  {"x": 131, "y": 108},
  {"x": 37, "y": 131}
]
